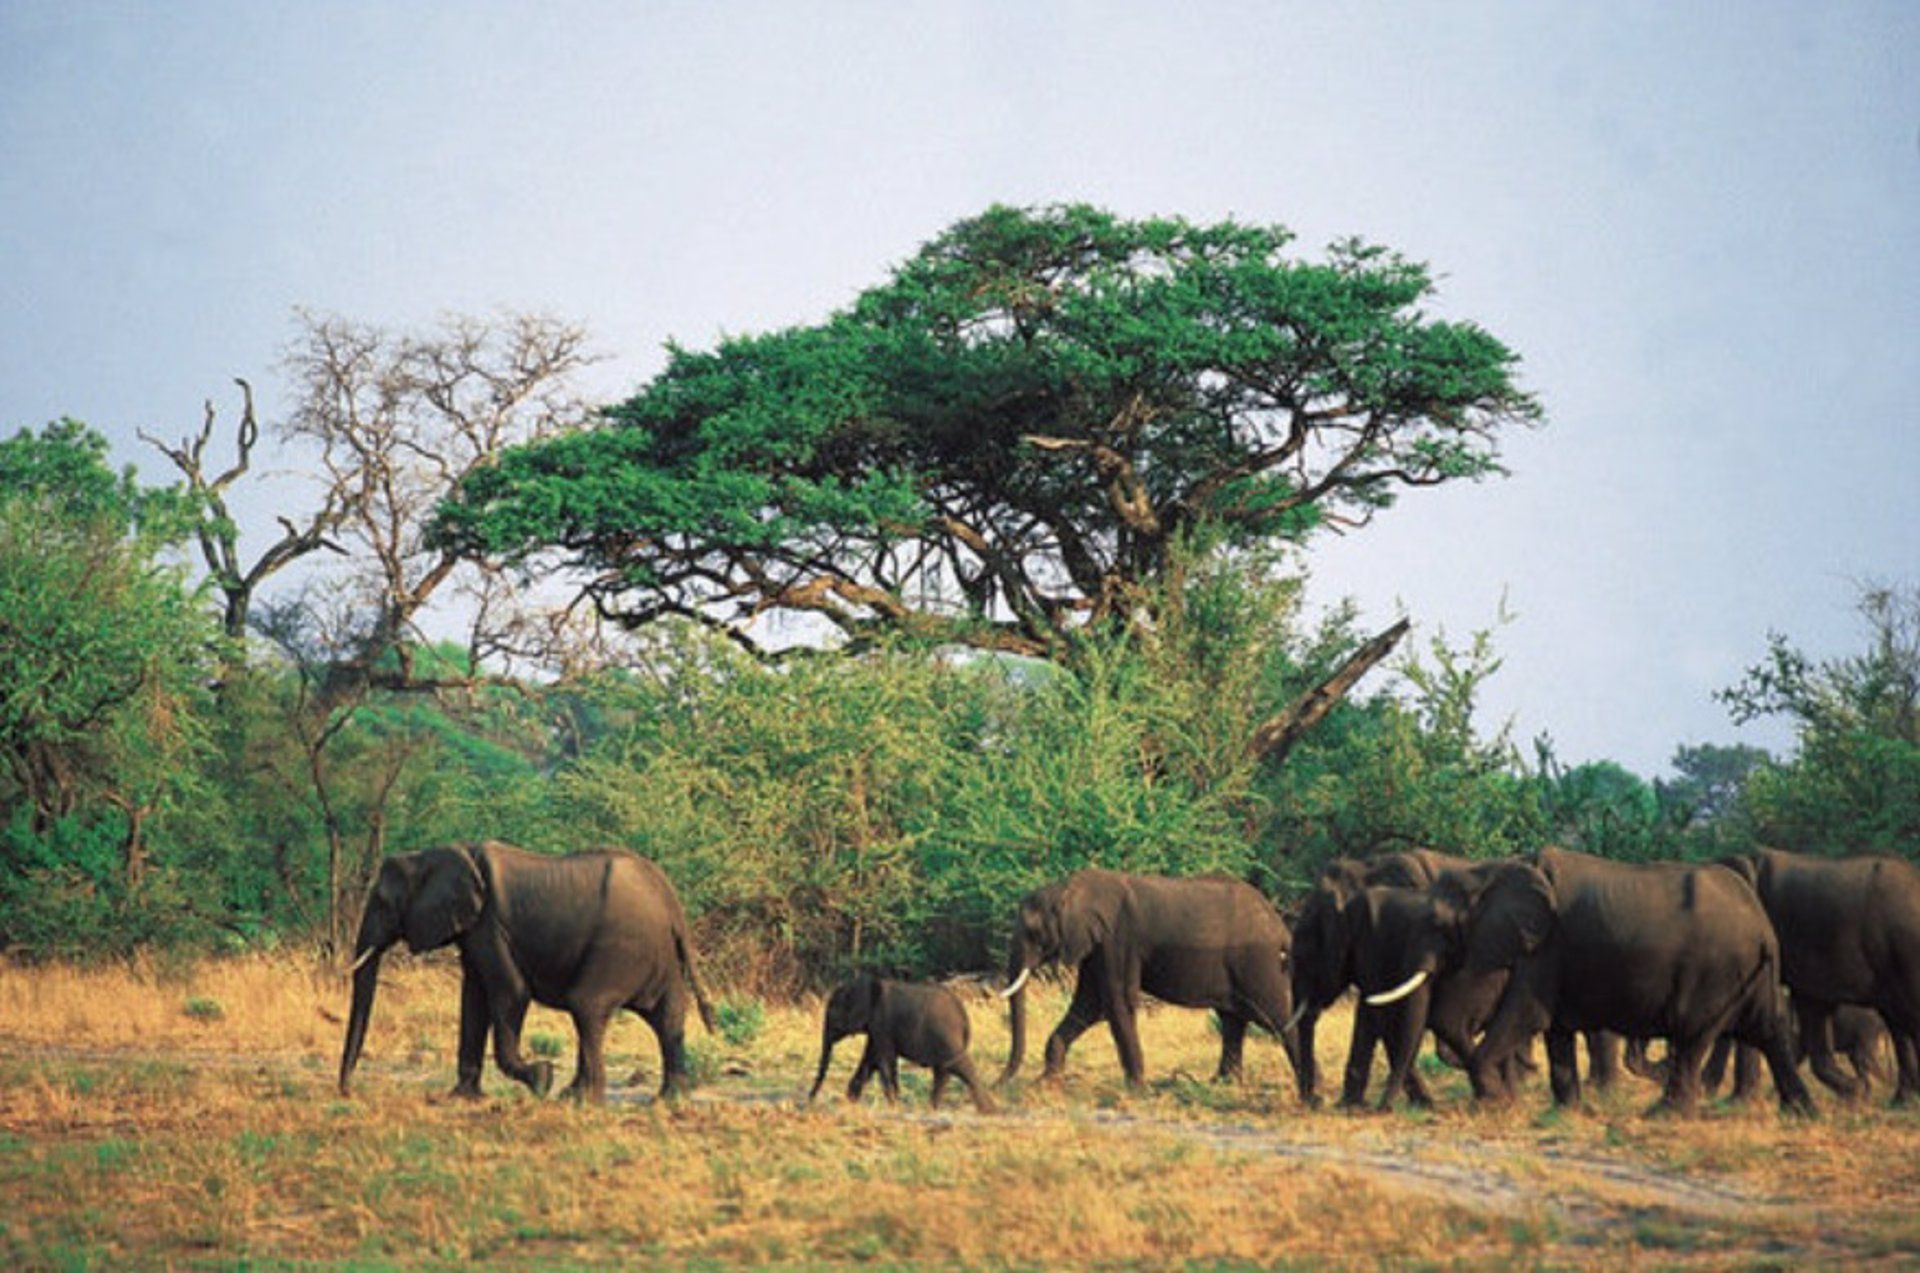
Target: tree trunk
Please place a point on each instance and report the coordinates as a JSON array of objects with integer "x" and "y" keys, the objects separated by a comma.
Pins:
[{"x": 1276, "y": 737}]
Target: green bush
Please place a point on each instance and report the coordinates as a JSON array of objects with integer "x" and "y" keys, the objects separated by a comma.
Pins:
[
  {"x": 202, "y": 1008},
  {"x": 739, "y": 1021}
]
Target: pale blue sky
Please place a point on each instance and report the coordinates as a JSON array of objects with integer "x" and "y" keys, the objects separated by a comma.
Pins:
[{"x": 1698, "y": 224}]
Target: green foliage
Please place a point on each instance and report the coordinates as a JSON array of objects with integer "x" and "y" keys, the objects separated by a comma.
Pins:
[
  {"x": 1705, "y": 803},
  {"x": 1854, "y": 784},
  {"x": 739, "y": 1020},
  {"x": 104, "y": 653},
  {"x": 1003, "y": 442},
  {"x": 1404, "y": 770},
  {"x": 1599, "y": 807},
  {"x": 63, "y": 470},
  {"x": 202, "y": 1008},
  {"x": 64, "y": 892}
]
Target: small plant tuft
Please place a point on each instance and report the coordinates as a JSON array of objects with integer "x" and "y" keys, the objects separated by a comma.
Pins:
[
  {"x": 545, "y": 1044},
  {"x": 204, "y": 1008},
  {"x": 739, "y": 1021}
]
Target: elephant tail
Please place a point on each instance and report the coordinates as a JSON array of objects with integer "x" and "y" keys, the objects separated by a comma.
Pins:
[{"x": 683, "y": 944}]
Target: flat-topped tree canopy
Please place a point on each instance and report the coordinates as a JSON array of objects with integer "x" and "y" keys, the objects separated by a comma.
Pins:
[{"x": 1000, "y": 443}]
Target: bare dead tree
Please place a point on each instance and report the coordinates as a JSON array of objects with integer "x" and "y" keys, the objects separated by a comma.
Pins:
[
  {"x": 219, "y": 533},
  {"x": 398, "y": 420}
]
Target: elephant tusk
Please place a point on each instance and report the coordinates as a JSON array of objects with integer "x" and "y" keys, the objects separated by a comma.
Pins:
[
  {"x": 1400, "y": 991},
  {"x": 1294, "y": 1020},
  {"x": 362, "y": 958},
  {"x": 1018, "y": 982}
]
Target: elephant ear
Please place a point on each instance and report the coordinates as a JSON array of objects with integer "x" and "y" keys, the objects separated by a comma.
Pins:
[
  {"x": 447, "y": 899},
  {"x": 1511, "y": 919},
  {"x": 1357, "y": 919},
  {"x": 1747, "y": 868},
  {"x": 1085, "y": 916}
]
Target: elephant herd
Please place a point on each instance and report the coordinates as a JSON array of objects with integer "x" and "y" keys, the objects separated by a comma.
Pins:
[{"x": 1778, "y": 954}]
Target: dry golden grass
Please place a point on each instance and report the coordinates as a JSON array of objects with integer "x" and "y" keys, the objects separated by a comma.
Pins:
[{"x": 159, "y": 1119}]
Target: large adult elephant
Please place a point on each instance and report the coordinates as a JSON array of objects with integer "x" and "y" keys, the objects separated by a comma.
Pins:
[
  {"x": 1209, "y": 942},
  {"x": 1672, "y": 950},
  {"x": 1849, "y": 933},
  {"x": 588, "y": 933}
]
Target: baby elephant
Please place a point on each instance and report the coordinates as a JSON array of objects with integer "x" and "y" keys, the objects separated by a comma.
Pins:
[{"x": 926, "y": 1024}]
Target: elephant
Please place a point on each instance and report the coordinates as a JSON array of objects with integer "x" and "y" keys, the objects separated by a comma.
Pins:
[
  {"x": 1205, "y": 942},
  {"x": 926, "y": 1024},
  {"x": 588, "y": 933},
  {"x": 1402, "y": 948},
  {"x": 1657, "y": 949},
  {"x": 1849, "y": 932},
  {"x": 1323, "y": 950},
  {"x": 1340, "y": 941}
]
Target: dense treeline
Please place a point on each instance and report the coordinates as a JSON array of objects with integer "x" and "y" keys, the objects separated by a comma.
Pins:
[{"x": 206, "y": 748}]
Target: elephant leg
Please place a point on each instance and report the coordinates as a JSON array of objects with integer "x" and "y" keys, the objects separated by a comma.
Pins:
[
  {"x": 1082, "y": 1012},
  {"x": 887, "y": 1061},
  {"x": 862, "y": 1072},
  {"x": 508, "y": 1015},
  {"x": 1306, "y": 1069},
  {"x": 667, "y": 1020},
  {"x": 1563, "y": 1065},
  {"x": 1903, "y": 1025},
  {"x": 1603, "y": 1058},
  {"x": 1775, "y": 1045},
  {"x": 975, "y": 1088},
  {"x": 1360, "y": 1048},
  {"x": 940, "y": 1076},
  {"x": 1714, "y": 1073},
  {"x": 1685, "y": 1056},
  {"x": 1746, "y": 1072},
  {"x": 1509, "y": 1035},
  {"x": 1125, "y": 1027},
  {"x": 473, "y": 1033},
  {"x": 590, "y": 1076},
  {"x": 1233, "y": 1037},
  {"x": 1867, "y": 1062},
  {"x": 1403, "y": 1031},
  {"x": 1816, "y": 1038}
]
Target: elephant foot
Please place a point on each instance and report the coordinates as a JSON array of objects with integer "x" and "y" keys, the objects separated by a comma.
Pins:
[{"x": 465, "y": 1091}]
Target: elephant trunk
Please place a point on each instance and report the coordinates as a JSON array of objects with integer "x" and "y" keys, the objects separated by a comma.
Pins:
[{"x": 372, "y": 942}]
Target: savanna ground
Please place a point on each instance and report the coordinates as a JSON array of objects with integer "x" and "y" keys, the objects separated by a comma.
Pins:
[{"x": 154, "y": 1117}]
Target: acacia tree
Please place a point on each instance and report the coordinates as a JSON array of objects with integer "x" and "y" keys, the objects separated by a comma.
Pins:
[{"x": 1002, "y": 444}]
